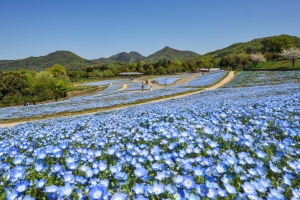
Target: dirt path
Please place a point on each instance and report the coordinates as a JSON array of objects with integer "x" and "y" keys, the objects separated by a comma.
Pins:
[
  {"x": 124, "y": 86},
  {"x": 189, "y": 78},
  {"x": 179, "y": 82}
]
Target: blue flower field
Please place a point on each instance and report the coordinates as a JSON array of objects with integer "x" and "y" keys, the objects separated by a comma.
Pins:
[{"x": 237, "y": 142}]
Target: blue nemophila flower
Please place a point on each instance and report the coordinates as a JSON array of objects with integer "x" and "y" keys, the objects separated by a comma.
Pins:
[
  {"x": 156, "y": 189},
  {"x": 162, "y": 175},
  {"x": 18, "y": 173},
  {"x": 97, "y": 192},
  {"x": 28, "y": 197},
  {"x": 51, "y": 189},
  {"x": 249, "y": 188},
  {"x": 13, "y": 195},
  {"x": 202, "y": 190},
  {"x": 63, "y": 145},
  {"x": 72, "y": 165},
  {"x": 102, "y": 166},
  {"x": 259, "y": 187},
  {"x": 199, "y": 171},
  {"x": 212, "y": 193},
  {"x": 230, "y": 189},
  {"x": 56, "y": 168},
  {"x": 275, "y": 194},
  {"x": 274, "y": 168},
  {"x": 193, "y": 197},
  {"x": 178, "y": 179},
  {"x": 119, "y": 196},
  {"x": 41, "y": 154},
  {"x": 296, "y": 193},
  {"x": 261, "y": 154},
  {"x": 13, "y": 151},
  {"x": 21, "y": 186},
  {"x": 81, "y": 179},
  {"x": 40, "y": 166},
  {"x": 115, "y": 168},
  {"x": 221, "y": 167},
  {"x": 40, "y": 183},
  {"x": 287, "y": 180},
  {"x": 222, "y": 193},
  {"x": 18, "y": 160},
  {"x": 139, "y": 188},
  {"x": 69, "y": 178},
  {"x": 121, "y": 176},
  {"x": 140, "y": 172},
  {"x": 66, "y": 191},
  {"x": 140, "y": 197},
  {"x": 170, "y": 188},
  {"x": 227, "y": 178},
  {"x": 188, "y": 182}
]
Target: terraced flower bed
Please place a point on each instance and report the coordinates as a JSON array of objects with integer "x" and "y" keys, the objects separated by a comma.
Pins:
[{"x": 105, "y": 99}]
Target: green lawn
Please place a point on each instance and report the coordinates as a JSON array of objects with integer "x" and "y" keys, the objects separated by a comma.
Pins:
[{"x": 277, "y": 65}]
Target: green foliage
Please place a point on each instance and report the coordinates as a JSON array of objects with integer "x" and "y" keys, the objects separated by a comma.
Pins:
[
  {"x": 57, "y": 70},
  {"x": 12, "y": 88},
  {"x": 278, "y": 43},
  {"x": 205, "y": 62},
  {"x": 61, "y": 89}
]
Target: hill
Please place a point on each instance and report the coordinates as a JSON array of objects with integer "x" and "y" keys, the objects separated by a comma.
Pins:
[
  {"x": 6, "y": 61},
  {"x": 255, "y": 45},
  {"x": 66, "y": 58},
  {"x": 170, "y": 54},
  {"x": 122, "y": 57}
]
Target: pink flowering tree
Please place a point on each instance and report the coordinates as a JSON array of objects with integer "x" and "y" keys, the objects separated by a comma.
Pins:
[
  {"x": 257, "y": 58},
  {"x": 291, "y": 54}
]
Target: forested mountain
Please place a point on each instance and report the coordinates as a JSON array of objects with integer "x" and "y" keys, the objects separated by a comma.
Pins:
[
  {"x": 259, "y": 45},
  {"x": 170, "y": 54},
  {"x": 122, "y": 57},
  {"x": 66, "y": 58}
]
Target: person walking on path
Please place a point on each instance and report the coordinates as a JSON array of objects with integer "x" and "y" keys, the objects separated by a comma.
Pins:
[{"x": 142, "y": 87}]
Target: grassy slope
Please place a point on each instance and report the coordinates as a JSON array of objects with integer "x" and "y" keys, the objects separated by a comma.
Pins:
[{"x": 277, "y": 65}]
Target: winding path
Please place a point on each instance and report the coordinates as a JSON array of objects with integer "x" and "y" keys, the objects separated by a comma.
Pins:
[{"x": 226, "y": 80}]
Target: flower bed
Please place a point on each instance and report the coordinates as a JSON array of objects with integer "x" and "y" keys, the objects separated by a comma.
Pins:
[
  {"x": 207, "y": 79},
  {"x": 240, "y": 142},
  {"x": 256, "y": 78}
]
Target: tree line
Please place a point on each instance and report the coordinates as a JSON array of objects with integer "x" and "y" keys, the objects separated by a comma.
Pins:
[{"x": 17, "y": 87}]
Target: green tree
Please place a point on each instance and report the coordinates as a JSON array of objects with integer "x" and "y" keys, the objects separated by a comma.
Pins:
[
  {"x": 205, "y": 62},
  {"x": 279, "y": 43},
  {"x": 140, "y": 65},
  {"x": 44, "y": 86},
  {"x": 57, "y": 70},
  {"x": 160, "y": 70},
  {"x": 243, "y": 59},
  {"x": 12, "y": 88},
  {"x": 60, "y": 89},
  {"x": 151, "y": 69}
]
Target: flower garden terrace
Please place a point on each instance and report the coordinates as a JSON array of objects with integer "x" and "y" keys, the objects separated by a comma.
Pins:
[
  {"x": 113, "y": 96},
  {"x": 226, "y": 143}
]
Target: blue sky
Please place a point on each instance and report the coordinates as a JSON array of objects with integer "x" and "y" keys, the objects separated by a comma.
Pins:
[{"x": 102, "y": 28}]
